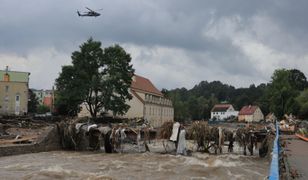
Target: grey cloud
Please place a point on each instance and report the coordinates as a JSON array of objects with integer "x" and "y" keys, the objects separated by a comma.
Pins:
[{"x": 277, "y": 25}]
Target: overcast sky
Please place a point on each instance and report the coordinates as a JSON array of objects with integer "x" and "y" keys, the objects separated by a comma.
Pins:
[{"x": 174, "y": 43}]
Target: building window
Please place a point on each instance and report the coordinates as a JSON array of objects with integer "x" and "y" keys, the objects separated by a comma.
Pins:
[
  {"x": 17, "y": 98},
  {"x": 6, "y": 88}
]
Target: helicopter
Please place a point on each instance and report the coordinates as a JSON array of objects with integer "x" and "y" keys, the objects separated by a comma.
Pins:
[{"x": 89, "y": 13}]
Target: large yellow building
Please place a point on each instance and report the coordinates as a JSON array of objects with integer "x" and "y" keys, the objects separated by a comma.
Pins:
[
  {"x": 14, "y": 88},
  {"x": 147, "y": 103}
]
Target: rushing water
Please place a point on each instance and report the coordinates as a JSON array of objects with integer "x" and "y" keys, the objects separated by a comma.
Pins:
[{"x": 87, "y": 165}]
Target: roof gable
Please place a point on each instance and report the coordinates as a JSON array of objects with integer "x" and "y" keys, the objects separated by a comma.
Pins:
[
  {"x": 145, "y": 85},
  {"x": 221, "y": 107},
  {"x": 248, "y": 110}
]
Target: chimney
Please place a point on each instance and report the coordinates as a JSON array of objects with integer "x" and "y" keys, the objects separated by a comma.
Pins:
[
  {"x": 7, "y": 69},
  {"x": 6, "y": 77}
]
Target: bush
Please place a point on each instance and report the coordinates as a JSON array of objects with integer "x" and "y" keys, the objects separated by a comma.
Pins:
[{"x": 42, "y": 109}]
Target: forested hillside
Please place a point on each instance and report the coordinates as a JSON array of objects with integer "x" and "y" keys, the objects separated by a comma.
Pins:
[{"x": 285, "y": 93}]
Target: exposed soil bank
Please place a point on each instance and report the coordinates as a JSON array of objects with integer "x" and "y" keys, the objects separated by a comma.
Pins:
[{"x": 47, "y": 141}]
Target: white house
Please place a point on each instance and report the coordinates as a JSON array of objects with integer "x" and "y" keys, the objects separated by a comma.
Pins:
[
  {"x": 147, "y": 103},
  {"x": 223, "y": 111}
]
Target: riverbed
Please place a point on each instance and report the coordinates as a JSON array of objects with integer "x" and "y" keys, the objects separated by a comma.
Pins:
[{"x": 89, "y": 165}]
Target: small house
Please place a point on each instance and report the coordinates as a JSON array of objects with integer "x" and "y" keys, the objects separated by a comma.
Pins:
[
  {"x": 250, "y": 114},
  {"x": 223, "y": 111}
]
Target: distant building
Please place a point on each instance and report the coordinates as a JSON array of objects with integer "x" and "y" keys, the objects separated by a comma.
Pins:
[
  {"x": 147, "y": 103},
  {"x": 250, "y": 114},
  {"x": 44, "y": 96},
  {"x": 14, "y": 86},
  {"x": 223, "y": 111}
]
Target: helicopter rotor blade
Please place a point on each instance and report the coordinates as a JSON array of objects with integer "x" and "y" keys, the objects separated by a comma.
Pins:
[{"x": 89, "y": 9}]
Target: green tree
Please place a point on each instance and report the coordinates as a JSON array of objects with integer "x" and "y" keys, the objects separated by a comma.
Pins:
[
  {"x": 117, "y": 77},
  {"x": 298, "y": 79},
  {"x": 41, "y": 109},
  {"x": 69, "y": 94},
  {"x": 283, "y": 89},
  {"x": 33, "y": 102},
  {"x": 302, "y": 101},
  {"x": 98, "y": 77},
  {"x": 277, "y": 96}
]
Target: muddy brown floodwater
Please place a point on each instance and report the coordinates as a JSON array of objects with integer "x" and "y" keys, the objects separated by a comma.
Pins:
[{"x": 87, "y": 165}]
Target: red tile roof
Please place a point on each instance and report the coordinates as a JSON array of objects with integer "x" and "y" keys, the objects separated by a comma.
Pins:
[
  {"x": 221, "y": 107},
  {"x": 145, "y": 85},
  {"x": 248, "y": 110}
]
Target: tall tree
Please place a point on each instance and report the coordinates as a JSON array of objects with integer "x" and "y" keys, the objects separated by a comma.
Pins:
[
  {"x": 98, "y": 77},
  {"x": 302, "y": 101},
  {"x": 33, "y": 102},
  {"x": 298, "y": 79},
  {"x": 117, "y": 75},
  {"x": 283, "y": 89},
  {"x": 69, "y": 92}
]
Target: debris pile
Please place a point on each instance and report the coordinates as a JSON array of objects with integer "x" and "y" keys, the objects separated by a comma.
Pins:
[
  {"x": 303, "y": 129},
  {"x": 199, "y": 131},
  {"x": 287, "y": 125},
  {"x": 135, "y": 136},
  {"x": 20, "y": 130},
  {"x": 82, "y": 134}
]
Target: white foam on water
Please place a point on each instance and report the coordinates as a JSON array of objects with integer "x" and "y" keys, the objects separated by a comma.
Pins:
[
  {"x": 195, "y": 161},
  {"x": 162, "y": 167},
  {"x": 197, "y": 178},
  {"x": 234, "y": 176},
  {"x": 201, "y": 155},
  {"x": 17, "y": 167},
  {"x": 58, "y": 172},
  {"x": 119, "y": 164},
  {"x": 253, "y": 172},
  {"x": 57, "y": 169},
  {"x": 221, "y": 163}
]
